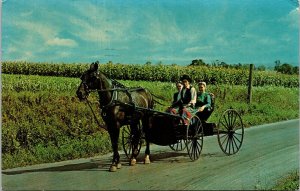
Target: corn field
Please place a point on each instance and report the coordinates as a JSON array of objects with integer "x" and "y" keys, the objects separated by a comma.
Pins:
[{"x": 163, "y": 73}]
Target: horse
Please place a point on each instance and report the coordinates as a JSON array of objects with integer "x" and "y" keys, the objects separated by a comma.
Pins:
[{"x": 118, "y": 108}]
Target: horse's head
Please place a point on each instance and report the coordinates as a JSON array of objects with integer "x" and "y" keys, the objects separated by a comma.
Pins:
[{"x": 89, "y": 81}]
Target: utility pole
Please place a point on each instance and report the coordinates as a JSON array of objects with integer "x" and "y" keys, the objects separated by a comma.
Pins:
[{"x": 250, "y": 84}]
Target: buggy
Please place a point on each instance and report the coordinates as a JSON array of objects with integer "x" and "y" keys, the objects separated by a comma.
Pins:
[{"x": 167, "y": 129}]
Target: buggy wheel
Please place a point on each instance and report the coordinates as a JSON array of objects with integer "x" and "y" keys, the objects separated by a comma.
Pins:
[
  {"x": 230, "y": 132},
  {"x": 194, "y": 138},
  {"x": 179, "y": 146},
  {"x": 127, "y": 140}
]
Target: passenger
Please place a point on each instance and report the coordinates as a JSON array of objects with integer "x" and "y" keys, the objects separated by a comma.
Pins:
[
  {"x": 188, "y": 93},
  {"x": 177, "y": 95},
  {"x": 204, "y": 101},
  {"x": 188, "y": 96}
]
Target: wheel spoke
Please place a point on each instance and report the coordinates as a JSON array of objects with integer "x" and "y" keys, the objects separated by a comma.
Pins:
[
  {"x": 229, "y": 118},
  {"x": 199, "y": 147},
  {"x": 223, "y": 136},
  {"x": 235, "y": 144},
  {"x": 237, "y": 126},
  {"x": 240, "y": 141},
  {"x": 224, "y": 125},
  {"x": 225, "y": 139},
  {"x": 227, "y": 143},
  {"x": 233, "y": 148},
  {"x": 194, "y": 147},
  {"x": 233, "y": 122},
  {"x": 227, "y": 125},
  {"x": 238, "y": 133}
]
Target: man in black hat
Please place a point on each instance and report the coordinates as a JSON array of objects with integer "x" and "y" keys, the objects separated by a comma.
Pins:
[{"x": 188, "y": 93}]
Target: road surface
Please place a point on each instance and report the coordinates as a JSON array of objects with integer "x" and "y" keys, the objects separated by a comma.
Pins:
[{"x": 268, "y": 153}]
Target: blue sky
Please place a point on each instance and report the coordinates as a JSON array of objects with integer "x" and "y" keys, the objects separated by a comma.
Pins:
[{"x": 137, "y": 31}]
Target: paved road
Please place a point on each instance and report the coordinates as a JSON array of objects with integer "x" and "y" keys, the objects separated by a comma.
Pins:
[{"x": 268, "y": 152}]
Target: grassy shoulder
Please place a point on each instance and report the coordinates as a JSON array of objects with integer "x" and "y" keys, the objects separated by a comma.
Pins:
[
  {"x": 290, "y": 182},
  {"x": 43, "y": 121}
]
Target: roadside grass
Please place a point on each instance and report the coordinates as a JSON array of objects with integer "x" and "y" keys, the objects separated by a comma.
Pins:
[
  {"x": 43, "y": 121},
  {"x": 290, "y": 182}
]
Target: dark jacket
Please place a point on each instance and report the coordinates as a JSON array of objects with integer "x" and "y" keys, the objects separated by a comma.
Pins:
[
  {"x": 175, "y": 96},
  {"x": 176, "y": 102},
  {"x": 187, "y": 96}
]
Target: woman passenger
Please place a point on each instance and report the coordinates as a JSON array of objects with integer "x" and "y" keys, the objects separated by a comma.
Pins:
[{"x": 203, "y": 103}]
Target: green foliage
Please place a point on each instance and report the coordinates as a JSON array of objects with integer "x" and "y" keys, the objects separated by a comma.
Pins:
[
  {"x": 164, "y": 73},
  {"x": 291, "y": 182},
  {"x": 198, "y": 62},
  {"x": 286, "y": 68}
]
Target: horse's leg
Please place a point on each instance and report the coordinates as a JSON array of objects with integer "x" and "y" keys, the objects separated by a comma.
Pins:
[
  {"x": 146, "y": 126},
  {"x": 114, "y": 132},
  {"x": 135, "y": 142},
  {"x": 147, "y": 153}
]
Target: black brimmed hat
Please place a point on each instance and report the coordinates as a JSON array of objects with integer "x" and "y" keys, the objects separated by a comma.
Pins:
[{"x": 185, "y": 77}]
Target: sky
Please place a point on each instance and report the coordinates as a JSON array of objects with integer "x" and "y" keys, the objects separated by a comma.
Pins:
[{"x": 156, "y": 31}]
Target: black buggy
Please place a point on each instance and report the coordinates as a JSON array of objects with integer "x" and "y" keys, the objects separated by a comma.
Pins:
[{"x": 169, "y": 130}]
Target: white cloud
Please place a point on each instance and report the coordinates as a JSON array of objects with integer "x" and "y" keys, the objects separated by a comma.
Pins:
[
  {"x": 11, "y": 50},
  {"x": 95, "y": 24},
  {"x": 26, "y": 55},
  {"x": 64, "y": 54},
  {"x": 88, "y": 32},
  {"x": 292, "y": 19},
  {"x": 36, "y": 28},
  {"x": 26, "y": 13},
  {"x": 197, "y": 49},
  {"x": 61, "y": 42}
]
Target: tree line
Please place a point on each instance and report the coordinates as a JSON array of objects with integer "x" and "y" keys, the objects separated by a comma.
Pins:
[{"x": 284, "y": 68}]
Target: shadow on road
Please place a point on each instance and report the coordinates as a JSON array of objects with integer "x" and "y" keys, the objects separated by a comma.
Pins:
[{"x": 99, "y": 164}]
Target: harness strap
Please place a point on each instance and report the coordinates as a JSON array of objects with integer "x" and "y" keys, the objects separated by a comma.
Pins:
[
  {"x": 119, "y": 89},
  {"x": 101, "y": 126}
]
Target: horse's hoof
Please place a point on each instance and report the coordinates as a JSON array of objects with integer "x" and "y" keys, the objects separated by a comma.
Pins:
[
  {"x": 132, "y": 162},
  {"x": 119, "y": 165},
  {"x": 113, "y": 168},
  {"x": 147, "y": 160}
]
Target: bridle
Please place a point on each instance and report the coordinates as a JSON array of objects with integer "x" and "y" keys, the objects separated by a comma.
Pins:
[
  {"x": 86, "y": 88},
  {"x": 87, "y": 92}
]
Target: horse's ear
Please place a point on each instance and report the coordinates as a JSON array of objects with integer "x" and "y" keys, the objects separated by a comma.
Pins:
[{"x": 94, "y": 66}]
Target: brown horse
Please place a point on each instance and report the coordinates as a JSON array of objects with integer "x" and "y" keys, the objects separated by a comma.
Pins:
[{"x": 118, "y": 108}]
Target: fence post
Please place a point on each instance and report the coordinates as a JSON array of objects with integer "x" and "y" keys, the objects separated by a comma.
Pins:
[{"x": 250, "y": 84}]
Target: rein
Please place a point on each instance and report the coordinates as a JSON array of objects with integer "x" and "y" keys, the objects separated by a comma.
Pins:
[
  {"x": 116, "y": 89},
  {"x": 101, "y": 126},
  {"x": 127, "y": 90}
]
